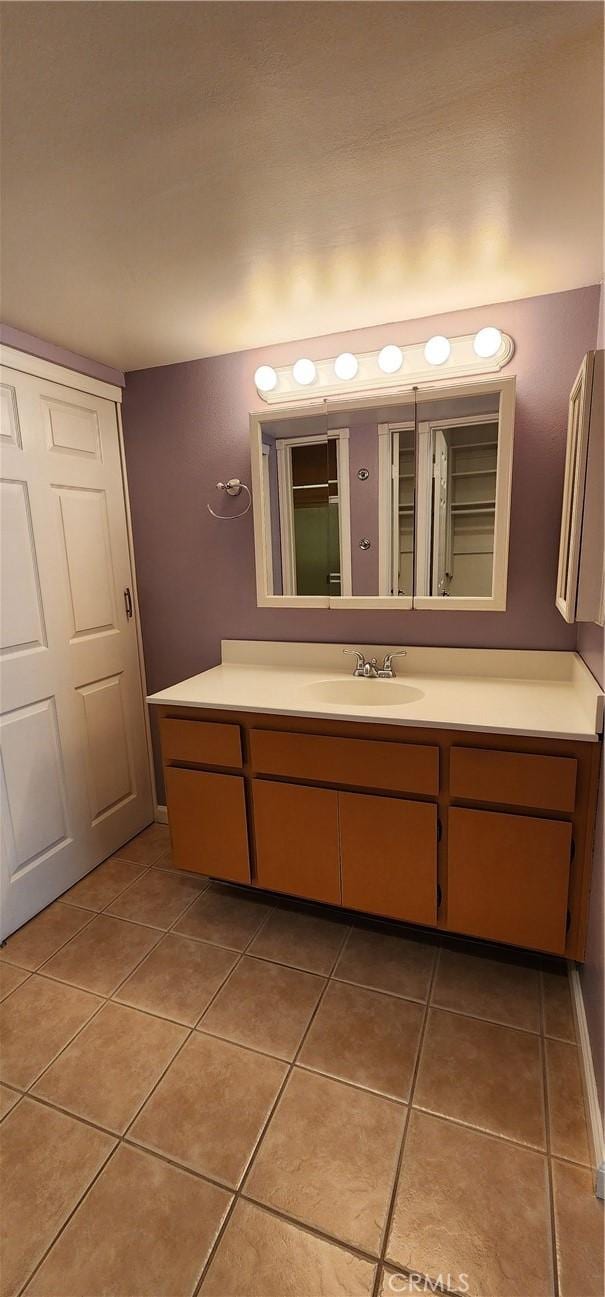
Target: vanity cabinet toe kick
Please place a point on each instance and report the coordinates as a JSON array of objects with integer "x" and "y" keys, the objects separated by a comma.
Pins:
[{"x": 484, "y": 835}]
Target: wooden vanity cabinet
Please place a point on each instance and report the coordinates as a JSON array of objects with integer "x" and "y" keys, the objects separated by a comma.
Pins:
[
  {"x": 508, "y": 877},
  {"x": 208, "y": 827},
  {"x": 484, "y": 835},
  {"x": 296, "y": 840},
  {"x": 389, "y": 856}
]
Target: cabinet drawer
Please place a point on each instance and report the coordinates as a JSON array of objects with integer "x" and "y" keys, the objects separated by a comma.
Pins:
[
  {"x": 389, "y": 856},
  {"x": 397, "y": 767},
  {"x": 296, "y": 835},
  {"x": 200, "y": 742},
  {"x": 513, "y": 778},
  {"x": 508, "y": 878},
  {"x": 207, "y": 818}
]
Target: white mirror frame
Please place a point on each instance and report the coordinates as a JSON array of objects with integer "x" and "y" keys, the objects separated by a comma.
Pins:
[{"x": 496, "y": 602}]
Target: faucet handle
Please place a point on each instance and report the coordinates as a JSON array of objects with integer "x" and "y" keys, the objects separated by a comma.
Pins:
[
  {"x": 357, "y": 654},
  {"x": 388, "y": 658}
]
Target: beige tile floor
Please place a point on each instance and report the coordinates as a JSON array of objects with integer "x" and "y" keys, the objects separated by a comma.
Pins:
[{"x": 216, "y": 1093}]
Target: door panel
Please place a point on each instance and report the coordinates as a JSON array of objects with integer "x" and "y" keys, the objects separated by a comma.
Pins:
[
  {"x": 508, "y": 878},
  {"x": 85, "y": 534},
  {"x": 33, "y": 785},
  {"x": 69, "y": 662},
  {"x": 22, "y": 622},
  {"x": 389, "y": 856},
  {"x": 207, "y": 817},
  {"x": 296, "y": 834},
  {"x": 110, "y": 772}
]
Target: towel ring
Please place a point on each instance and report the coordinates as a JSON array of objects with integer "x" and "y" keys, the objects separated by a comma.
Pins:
[{"x": 233, "y": 488}]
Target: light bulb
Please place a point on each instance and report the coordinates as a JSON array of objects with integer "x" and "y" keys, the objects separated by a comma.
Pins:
[
  {"x": 346, "y": 365},
  {"x": 487, "y": 342},
  {"x": 265, "y": 378},
  {"x": 304, "y": 372},
  {"x": 437, "y": 350},
  {"x": 390, "y": 359}
]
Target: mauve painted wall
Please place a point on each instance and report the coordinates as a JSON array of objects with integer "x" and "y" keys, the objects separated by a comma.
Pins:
[{"x": 186, "y": 426}]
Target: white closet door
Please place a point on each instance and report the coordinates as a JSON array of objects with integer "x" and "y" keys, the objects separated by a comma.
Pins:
[{"x": 75, "y": 781}]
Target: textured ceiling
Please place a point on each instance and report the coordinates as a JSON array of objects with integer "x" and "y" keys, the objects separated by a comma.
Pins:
[{"x": 188, "y": 179}]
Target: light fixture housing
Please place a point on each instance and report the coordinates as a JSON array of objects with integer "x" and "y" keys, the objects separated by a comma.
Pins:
[
  {"x": 487, "y": 342},
  {"x": 346, "y": 366},
  {"x": 437, "y": 350},
  {"x": 390, "y": 359},
  {"x": 385, "y": 369},
  {"x": 304, "y": 371},
  {"x": 265, "y": 378}
]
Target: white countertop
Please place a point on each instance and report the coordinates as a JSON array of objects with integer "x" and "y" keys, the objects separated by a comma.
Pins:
[{"x": 537, "y": 694}]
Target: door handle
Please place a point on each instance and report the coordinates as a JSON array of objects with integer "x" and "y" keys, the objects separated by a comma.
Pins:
[{"x": 128, "y": 602}]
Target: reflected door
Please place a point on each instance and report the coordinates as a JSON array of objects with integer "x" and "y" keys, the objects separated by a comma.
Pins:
[{"x": 75, "y": 772}]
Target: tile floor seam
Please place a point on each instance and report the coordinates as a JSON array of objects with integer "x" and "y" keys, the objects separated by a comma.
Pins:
[
  {"x": 313, "y": 1230},
  {"x": 142, "y": 922},
  {"x": 239, "y": 1191},
  {"x": 145, "y": 869},
  {"x": 69, "y": 1042},
  {"x": 353, "y": 1085},
  {"x": 79, "y": 908},
  {"x": 478, "y": 1017},
  {"x": 72, "y": 1213},
  {"x": 481, "y": 1130},
  {"x": 190, "y": 1031},
  {"x": 411, "y": 999},
  {"x": 549, "y": 1175},
  {"x": 410, "y": 1106},
  {"x": 107, "y": 995}
]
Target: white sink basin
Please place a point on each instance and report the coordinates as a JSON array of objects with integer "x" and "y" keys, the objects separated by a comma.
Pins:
[{"x": 358, "y": 692}]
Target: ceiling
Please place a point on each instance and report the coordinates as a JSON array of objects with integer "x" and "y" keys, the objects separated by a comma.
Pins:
[{"x": 187, "y": 179}]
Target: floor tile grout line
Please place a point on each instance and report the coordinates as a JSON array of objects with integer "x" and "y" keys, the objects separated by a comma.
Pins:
[
  {"x": 144, "y": 871},
  {"x": 68, "y": 1218},
  {"x": 85, "y": 925},
  {"x": 255, "y": 1150},
  {"x": 314, "y": 1230},
  {"x": 143, "y": 923},
  {"x": 190, "y": 1032},
  {"x": 67, "y": 1043},
  {"x": 547, "y": 1122},
  {"x": 388, "y": 1220},
  {"x": 481, "y": 1130}
]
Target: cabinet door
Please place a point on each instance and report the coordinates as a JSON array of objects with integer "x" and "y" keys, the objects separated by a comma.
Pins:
[
  {"x": 389, "y": 856},
  {"x": 207, "y": 818},
  {"x": 508, "y": 878},
  {"x": 296, "y": 835},
  {"x": 578, "y": 424}
]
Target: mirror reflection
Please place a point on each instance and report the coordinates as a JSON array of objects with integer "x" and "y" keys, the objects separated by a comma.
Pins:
[
  {"x": 389, "y": 498},
  {"x": 302, "y": 478}
]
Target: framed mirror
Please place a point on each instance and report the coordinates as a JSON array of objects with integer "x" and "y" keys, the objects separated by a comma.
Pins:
[{"x": 388, "y": 500}]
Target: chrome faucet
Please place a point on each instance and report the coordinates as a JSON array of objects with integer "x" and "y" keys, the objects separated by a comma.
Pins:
[{"x": 370, "y": 670}]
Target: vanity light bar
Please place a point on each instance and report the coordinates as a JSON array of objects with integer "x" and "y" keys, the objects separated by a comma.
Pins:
[{"x": 484, "y": 352}]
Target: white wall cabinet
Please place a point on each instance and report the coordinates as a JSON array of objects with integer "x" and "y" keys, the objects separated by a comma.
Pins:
[{"x": 581, "y": 574}]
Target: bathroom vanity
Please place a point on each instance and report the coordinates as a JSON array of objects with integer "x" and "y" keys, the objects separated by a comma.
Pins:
[{"x": 460, "y": 795}]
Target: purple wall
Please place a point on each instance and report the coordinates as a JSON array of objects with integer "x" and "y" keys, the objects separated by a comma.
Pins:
[
  {"x": 186, "y": 426},
  {"x": 58, "y": 355}
]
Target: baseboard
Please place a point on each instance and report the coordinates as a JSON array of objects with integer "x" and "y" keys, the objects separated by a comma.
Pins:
[
  {"x": 593, "y": 1107},
  {"x": 160, "y": 814}
]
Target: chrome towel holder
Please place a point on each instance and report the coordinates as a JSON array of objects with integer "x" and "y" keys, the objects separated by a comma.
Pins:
[{"x": 233, "y": 488}]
